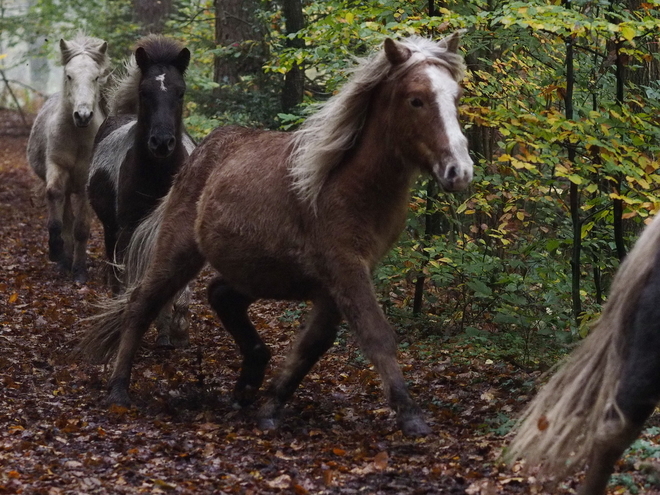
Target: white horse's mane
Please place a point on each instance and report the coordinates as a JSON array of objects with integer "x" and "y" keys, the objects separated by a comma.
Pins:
[{"x": 321, "y": 142}]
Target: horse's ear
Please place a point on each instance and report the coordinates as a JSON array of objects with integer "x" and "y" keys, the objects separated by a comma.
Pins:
[
  {"x": 397, "y": 53},
  {"x": 103, "y": 48},
  {"x": 182, "y": 60},
  {"x": 142, "y": 58},
  {"x": 64, "y": 48},
  {"x": 452, "y": 41}
]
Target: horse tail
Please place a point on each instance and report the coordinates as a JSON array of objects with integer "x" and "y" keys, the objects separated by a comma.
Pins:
[
  {"x": 558, "y": 429},
  {"x": 142, "y": 245},
  {"x": 101, "y": 341}
]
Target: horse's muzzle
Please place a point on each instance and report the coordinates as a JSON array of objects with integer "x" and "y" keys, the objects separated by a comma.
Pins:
[
  {"x": 162, "y": 146},
  {"x": 455, "y": 177},
  {"x": 82, "y": 118}
]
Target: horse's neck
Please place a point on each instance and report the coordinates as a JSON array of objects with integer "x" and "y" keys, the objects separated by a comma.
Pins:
[{"x": 379, "y": 167}]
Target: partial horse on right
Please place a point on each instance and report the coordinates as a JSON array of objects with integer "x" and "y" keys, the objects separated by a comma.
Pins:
[{"x": 595, "y": 406}]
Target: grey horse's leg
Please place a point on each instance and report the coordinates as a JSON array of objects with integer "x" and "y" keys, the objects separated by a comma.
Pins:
[
  {"x": 81, "y": 230},
  {"x": 56, "y": 181},
  {"x": 173, "y": 323}
]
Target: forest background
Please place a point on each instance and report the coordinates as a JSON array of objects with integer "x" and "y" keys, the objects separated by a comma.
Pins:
[{"x": 560, "y": 108}]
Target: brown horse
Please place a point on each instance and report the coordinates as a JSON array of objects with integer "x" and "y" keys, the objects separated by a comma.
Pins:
[{"x": 303, "y": 215}]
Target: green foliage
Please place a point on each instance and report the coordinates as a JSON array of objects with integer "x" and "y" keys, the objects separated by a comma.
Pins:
[{"x": 498, "y": 269}]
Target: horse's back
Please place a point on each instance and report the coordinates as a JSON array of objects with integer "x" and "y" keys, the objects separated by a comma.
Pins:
[{"x": 38, "y": 141}]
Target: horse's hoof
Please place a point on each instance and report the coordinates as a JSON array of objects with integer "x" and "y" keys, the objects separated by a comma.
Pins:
[
  {"x": 180, "y": 341},
  {"x": 244, "y": 395},
  {"x": 80, "y": 276},
  {"x": 64, "y": 264},
  {"x": 164, "y": 342},
  {"x": 415, "y": 427},
  {"x": 117, "y": 398},
  {"x": 268, "y": 424}
]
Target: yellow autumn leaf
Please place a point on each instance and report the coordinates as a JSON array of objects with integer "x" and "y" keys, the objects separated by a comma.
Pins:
[
  {"x": 628, "y": 33},
  {"x": 13, "y": 298}
]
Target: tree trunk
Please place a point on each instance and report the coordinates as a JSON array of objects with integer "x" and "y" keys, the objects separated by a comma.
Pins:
[
  {"x": 237, "y": 29},
  {"x": 574, "y": 193},
  {"x": 151, "y": 14},
  {"x": 294, "y": 81}
]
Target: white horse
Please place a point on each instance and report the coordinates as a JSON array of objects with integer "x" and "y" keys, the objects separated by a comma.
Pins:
[{"x": 60, "y": 148}]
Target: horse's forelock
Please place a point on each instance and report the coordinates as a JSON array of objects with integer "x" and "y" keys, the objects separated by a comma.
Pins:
[
  {"x": 94, "y": 48},
  {"x": 161, "y": 50},
  {"x": 123, "y": 96}
]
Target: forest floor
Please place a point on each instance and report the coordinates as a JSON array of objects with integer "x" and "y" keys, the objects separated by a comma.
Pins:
[{"x": 337, "y": 436}]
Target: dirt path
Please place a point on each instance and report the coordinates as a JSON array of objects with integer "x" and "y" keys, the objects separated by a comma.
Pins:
[{"x": 337, "y": 437}]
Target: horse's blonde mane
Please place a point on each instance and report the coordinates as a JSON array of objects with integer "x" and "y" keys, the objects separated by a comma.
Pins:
[
  {"x": 321, "y": 142},
  {"x": 123, "y": 95},
  {"x": 86, "y": 45}
]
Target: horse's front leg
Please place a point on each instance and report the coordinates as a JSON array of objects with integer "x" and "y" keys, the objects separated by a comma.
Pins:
[
  {"x": 354, "y": 295},
  {"x": 81, "y": 229},
  {"x": 56, "y": 184}
]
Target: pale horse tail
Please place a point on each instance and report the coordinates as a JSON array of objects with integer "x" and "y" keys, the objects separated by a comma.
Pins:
[
  {"x": 101, "y": 340},
  {"x": 558, "y": 429}
]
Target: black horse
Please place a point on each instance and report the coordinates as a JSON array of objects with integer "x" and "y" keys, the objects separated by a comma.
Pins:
[{"x": 137, "y": 151}]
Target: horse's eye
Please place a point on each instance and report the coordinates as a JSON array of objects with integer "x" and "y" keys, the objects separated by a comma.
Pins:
[
  {"x": 97, "y": 78},
  {"x": 417, "y": 103},
  {"x": 68, "y": 77}
]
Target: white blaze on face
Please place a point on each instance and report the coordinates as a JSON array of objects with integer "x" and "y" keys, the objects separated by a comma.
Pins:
[
  {"x": 161, "y": 80},
  {"x": 447, "y": 91}
]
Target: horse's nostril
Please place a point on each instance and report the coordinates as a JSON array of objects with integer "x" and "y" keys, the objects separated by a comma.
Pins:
[
  {"x": 171, "y": 143},
  {"x": 153, "y": 143},
  {"x": 450, "y": 174}
]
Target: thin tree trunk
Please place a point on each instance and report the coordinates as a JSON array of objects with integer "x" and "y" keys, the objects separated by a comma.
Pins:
[
  {"x": 294, "y": 81},
  {"x": 574, "y": 193},
  {"x": 151, "y": 14},
  {"x": 237, "y": 30}
]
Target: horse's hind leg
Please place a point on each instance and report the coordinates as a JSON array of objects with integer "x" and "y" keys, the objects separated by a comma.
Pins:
[
  {"x": 81, "y": 228},
  {"x": 316, "y": 338},
  {"x": 167, "y": 275},
  {"x": 638, "y": 391},
  {"x": 231, "y": 307}
]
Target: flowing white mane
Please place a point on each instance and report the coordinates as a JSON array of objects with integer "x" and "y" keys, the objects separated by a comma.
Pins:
[{"x": 321, "y": 142}]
